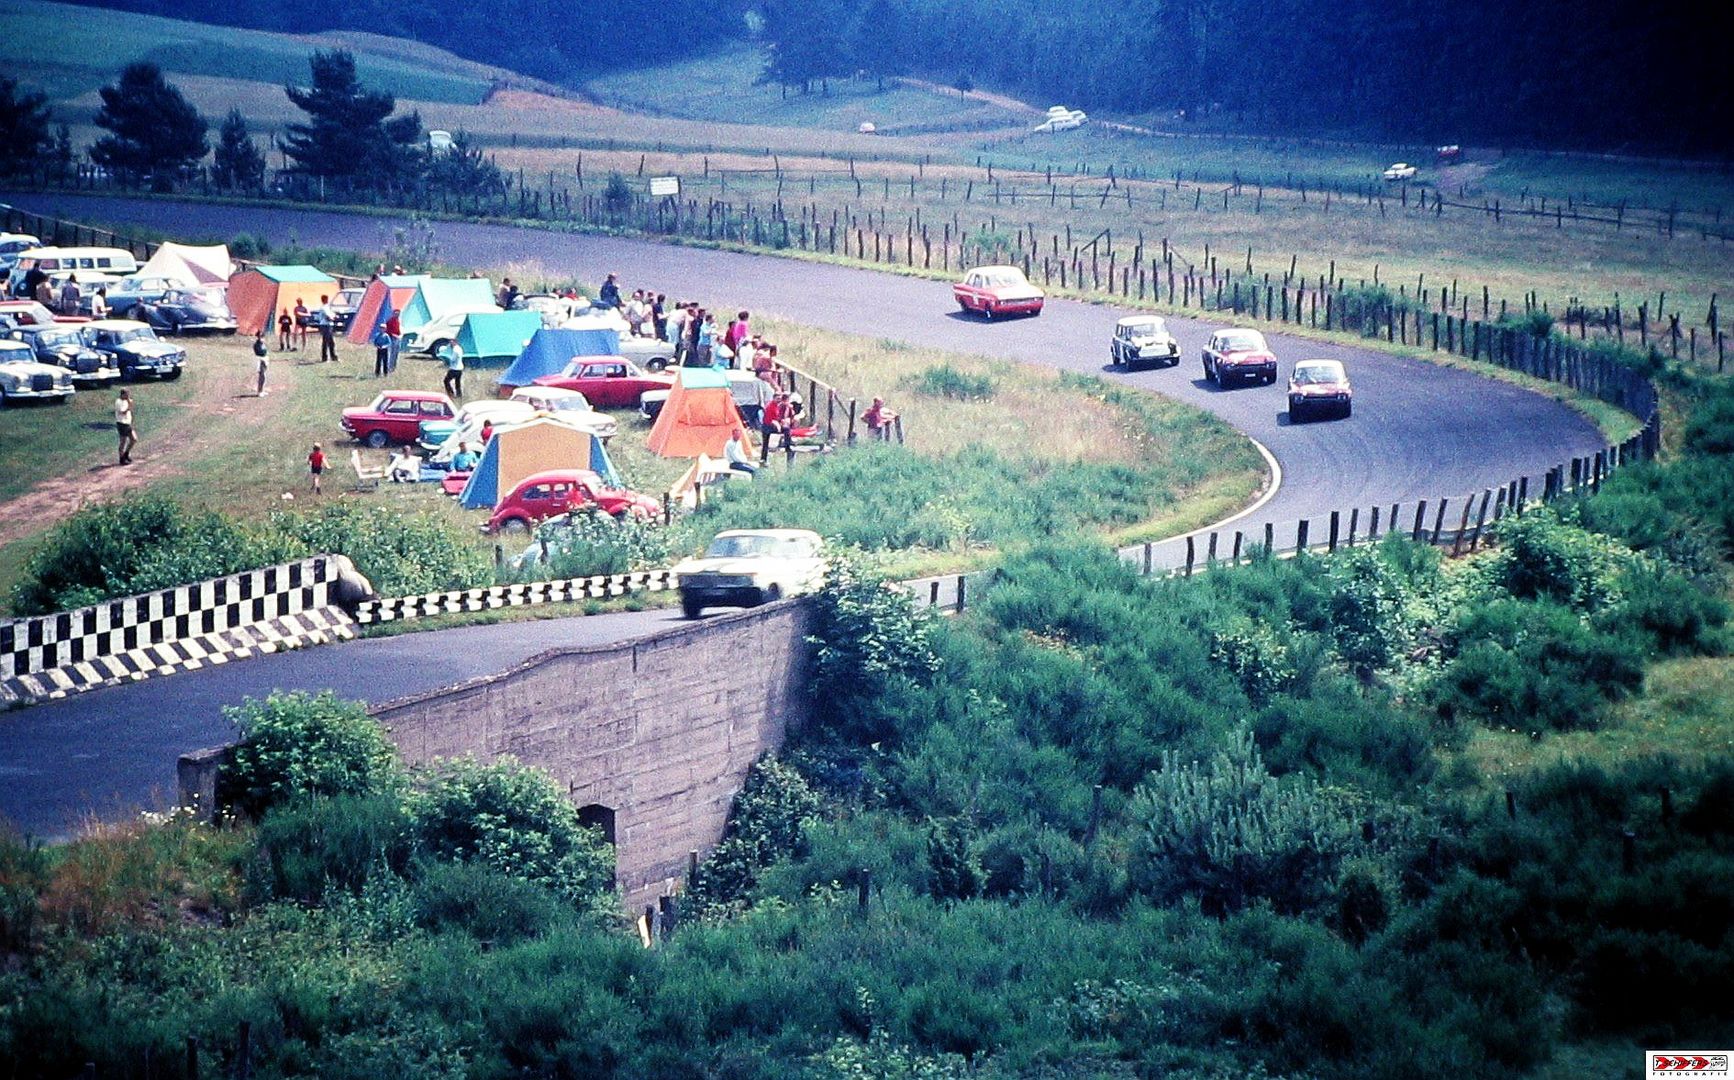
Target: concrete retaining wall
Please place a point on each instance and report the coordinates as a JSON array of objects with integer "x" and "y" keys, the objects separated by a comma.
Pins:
[{"x": 659, "y": 731}]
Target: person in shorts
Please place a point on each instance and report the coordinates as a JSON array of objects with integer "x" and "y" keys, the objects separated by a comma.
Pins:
[
  {"x": 316, "y": 465},
  {"x": 123, "y": 426}
]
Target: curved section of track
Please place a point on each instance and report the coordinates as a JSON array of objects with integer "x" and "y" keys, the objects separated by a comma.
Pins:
[{"x": 1420, "y": 431}]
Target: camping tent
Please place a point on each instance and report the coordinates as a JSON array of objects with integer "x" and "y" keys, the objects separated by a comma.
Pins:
[
  {"x": 193, "y": 265},
  {"x": 257, "y": 295},
  {"x": 549, "y": 350},
  {"x": 498, "y": 335},
  {"x": 699, "y": 416},
  {"x": 383, "y": 296},
  {"x": 526, "y": 449},
  {"x": 436, "y": 296}
]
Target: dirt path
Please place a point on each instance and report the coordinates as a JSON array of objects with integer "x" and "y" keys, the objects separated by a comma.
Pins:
[{"x": 985, "y": 96}]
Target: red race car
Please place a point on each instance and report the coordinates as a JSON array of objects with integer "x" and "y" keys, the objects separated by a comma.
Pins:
[
  {"x": 1240, "y": 355},
  {"x": 607, "y": 382},
  {"x": 548, "y": 494},
  {"x": 997, "y": 290},
  {"x": 396, "y": 416}
]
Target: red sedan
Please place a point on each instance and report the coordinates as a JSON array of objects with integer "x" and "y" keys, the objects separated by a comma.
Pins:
[
  {"x": 607, "y": 382},
  {"x": 396, "y": 416},
  {"x": 997, "y": 290},
  {"x": 32, "y": 313},
  {"x": 548, "y": 494}
]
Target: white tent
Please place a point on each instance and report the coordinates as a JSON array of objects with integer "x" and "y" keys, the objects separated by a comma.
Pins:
[{"x": 193, "y": 265}]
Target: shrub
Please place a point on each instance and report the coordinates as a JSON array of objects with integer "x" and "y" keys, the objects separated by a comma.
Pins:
[
  {"x": 945, "y": 381},
  {"x": 594, "y": 543},
  {"x": 515, "y": 820},
  {"x": 401, "y": 553},
  {"x": 767, "y": 823},
  {"x": 491, "y": 906},
  {"x": 306, "y": 848},
  {"x": 868, "y": 636},
  {"x": 1710, "y": 427},
  {"x": 296, "y": 744},
  {"x": 1542, "y": 556},
  {"x": 1366, "y": 610},
  {"x": 129, "y": 546}
]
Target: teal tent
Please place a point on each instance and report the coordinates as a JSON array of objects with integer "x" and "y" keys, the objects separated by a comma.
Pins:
[
  {"x": 498, "y": 335},
  {"x": 436, "y": 296}
]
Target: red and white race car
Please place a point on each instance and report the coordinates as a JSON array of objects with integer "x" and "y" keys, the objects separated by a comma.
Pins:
[{"x": 998, "y": 290}]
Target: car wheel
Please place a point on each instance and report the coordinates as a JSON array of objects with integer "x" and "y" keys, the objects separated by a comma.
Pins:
[
  {"x": 963, "y": 307},
  {"x": 1348, "y": 409},
  {"x": 656, "y": 363},
  {"x": 377, "y": 439},
  {"x": 514, "y": 526},
  {"x": 690, "y": 607},
  {"x": 172, "y": 375},
  {"x": 987, "y": 312},
  {"x": 434, "y": 349}
]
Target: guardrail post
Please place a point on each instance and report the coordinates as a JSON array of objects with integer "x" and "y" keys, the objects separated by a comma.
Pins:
[
  {"x": 1335, "y": 519},
  {"x": 1373, "y": 526},
  {"x": 1481, "y": 518},
  {"x": 1270, "y": 538},
  {"x": 1419, "y": 532},
  {"x": 933, "y": 593},
  {"x": 1149, "y": 557},
  {"x": 1462, "y": 526},
  {"x": 1210, "y": 551},
  {"x": 1191, "y": 554},
  {"x": 1300, "y": 536},
  {"x": 962, "y": 592},
  {"x": 1237, "y": 539}
]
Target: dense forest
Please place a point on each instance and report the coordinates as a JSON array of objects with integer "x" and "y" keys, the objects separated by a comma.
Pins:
[{"x": 1610, "y": 74}]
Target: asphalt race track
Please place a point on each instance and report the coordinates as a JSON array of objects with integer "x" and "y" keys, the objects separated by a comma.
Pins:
[{"x": 1419, "y": 431}]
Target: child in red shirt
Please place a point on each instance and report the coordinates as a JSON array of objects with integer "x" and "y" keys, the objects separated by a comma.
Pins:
[{"x": 316, "y": 465}]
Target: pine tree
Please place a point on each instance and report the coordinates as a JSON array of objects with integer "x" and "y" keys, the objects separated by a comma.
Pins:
[
  {"x": 155, "y": 131},
  {"x": 350, "y": 136},
  {"x": 237, "y": 162},
  {"x": 23, "y": 127}
]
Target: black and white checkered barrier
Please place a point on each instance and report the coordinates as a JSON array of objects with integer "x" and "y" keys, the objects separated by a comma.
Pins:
[
  {"x": 135, "y": 637},
  {"x": 601, "y": 587}
]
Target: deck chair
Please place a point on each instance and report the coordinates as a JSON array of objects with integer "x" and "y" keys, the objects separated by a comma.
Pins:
[{"x": 367, "y": 477}]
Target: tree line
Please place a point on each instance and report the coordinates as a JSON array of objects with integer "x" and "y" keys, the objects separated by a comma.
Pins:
[{"x": 353, "y": 139}]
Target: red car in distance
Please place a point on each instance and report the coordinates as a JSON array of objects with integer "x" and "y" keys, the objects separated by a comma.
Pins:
[
  {"x": 997, "y": 290},
  {"x": 549, "y": 494},
  {"x": 396, "y": 416},
  {"x": 32, "y": 313},
  {"x": 607, "y": 382},
  {"x": 1238, "y": 354}
]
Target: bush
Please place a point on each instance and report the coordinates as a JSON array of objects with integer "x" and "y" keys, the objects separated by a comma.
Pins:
[
  {"x": 401, "y": 553},
  {"x": 517, "y": 821},
  {"x": 130, "y": 546},
  {"x": 945, "y": 381},
  {"x": 1541, "y": 556},
  {"x": 767, "y": 824},
  {"x": 586, "y": 544},
  {"x": 296, "y": 745},
  {"x": 868, "y": 636},
  {"x": 489, "y": 905},
  {"x": 306, "y": 848}
]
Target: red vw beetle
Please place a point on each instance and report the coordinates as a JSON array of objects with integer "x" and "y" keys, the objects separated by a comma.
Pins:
[
  {"x": 553, "y": 492},
  {"x": 997, "y": 290},
  {"x": 396, "y": 416},
  {"x": 607, "y": 382}
]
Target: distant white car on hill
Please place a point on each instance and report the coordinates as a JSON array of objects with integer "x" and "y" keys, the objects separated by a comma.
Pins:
[
  {"x": 1061, "y": 118},
  {"x": 1401, "y": 170}
]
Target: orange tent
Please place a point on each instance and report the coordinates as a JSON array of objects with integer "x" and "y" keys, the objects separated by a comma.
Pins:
[
  {"x": 257, "y": 295},
  {"x": 396, "y": 289},
  {"x": 698, "y": 418}
]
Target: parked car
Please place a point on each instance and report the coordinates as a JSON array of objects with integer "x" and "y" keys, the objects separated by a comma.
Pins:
[
  {"x": 13, "y": 245},
  {"x": 750, "y": 392},
  {"x": 1238, "y": 354},
  {"x": 128, "y": 293},
  {"x": 745, "y": 567},
  {"x": 32, "y": 313},
  {"x": 433, "y": 434},
  {"x": 183, "y": 311},
  {"x": 63, "y": 346},
  {"x": 997, "y": 290},
  {"x": 24, "y": 378},
  {"x": 135, "y": 348},
  {"x": 1060, "y": 118},
  {"x": 1401, "y": 170},
  {"x": 570, "y": 406},
  {"x": 607, "y": 382},
  {"x": 1143, "y": 340},
  {"x": 437, "y": 333},
  {"x": 555, "y": 310},
  {"x": 344, "y": 306},
  {"x": 395, "y": 416},
  {"x": 1319, "y": 386},
  {"x": 649, "y": 353},
  {"x": 1447, "y": 155},
  {"x": 544, "y": 495}
]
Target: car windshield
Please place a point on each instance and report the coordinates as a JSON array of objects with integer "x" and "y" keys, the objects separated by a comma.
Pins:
[
  {"x": 1313, "y": 374},
  {"x": 1148, "y": 328},
  {"x": 54, "y": 339},
  {"x": 143, "y": 333},
  {"x": 14, "y": 350},
  {"x": 758, "y": 546},
  {"x": 995, "y": 279},
  {"x": 1246, "y": 341}
]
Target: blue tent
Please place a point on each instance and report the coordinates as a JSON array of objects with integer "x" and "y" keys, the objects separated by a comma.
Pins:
[
  {"x": 526, "y": 449},
  {"x": 436, "y": 296},
  {"x": 549, "y": 351},
  {"x": 498, "y": 335}
]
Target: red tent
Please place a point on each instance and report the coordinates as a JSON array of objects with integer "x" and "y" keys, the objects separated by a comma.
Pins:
[
  {"x": 257, "y": 295},
  {"x": 397, "y": 289}
]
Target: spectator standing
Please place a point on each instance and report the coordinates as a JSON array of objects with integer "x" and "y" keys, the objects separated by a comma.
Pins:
[
  {"x": 326, "y": 321},
  {"x": 736, "y": 335},
  {"x": 674, "y": 331},
  {"x": 285, "y": 331},
  {"x": 123, "y": 426},
  {"x": 394, "y": 329},
  {"x": 264, "y": 357},
  {"x": 705, "y": 339},
  {"x": 659, "y": 316},
  {"x": 316, "y": 466},
  {"x": 99, "y": 304},
  {"x": 381, "y": 353},
  {"x": 301, "y": 316},
  {"x": 70, "y": 295},
  {"x": 45, "y": 293},
  {"x": 609, "y": 295},
  {"x": 879, "y": 420},
  {"x": 454, "y": 358}
]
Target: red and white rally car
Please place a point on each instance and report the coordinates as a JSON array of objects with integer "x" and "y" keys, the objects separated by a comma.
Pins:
[{"x": 998, "y": 290}]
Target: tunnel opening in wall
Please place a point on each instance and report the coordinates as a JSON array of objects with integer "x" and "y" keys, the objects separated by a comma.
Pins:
[{"x": 597, "y": 816}]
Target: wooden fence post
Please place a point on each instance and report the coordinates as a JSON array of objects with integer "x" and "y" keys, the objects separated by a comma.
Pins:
[
  {"x": 1419, "y": 532},
  {"x": 1332, "y": 543},
  {"x": 1300, "y": 536}
]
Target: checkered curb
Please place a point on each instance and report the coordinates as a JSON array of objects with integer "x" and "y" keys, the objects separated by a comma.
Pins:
[
  {"x": 602, "y": 587},
  {"x": 314, "y": 626}
]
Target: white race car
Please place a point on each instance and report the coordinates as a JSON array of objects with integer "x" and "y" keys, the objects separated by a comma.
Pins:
[{"x": 747, "y": 567}]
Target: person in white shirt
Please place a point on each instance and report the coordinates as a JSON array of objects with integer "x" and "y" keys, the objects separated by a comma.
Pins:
[
  {"x": 404, "y": 468},
  {"x": 738, "y": 454},
  {"x": 123, "y": 426}
]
